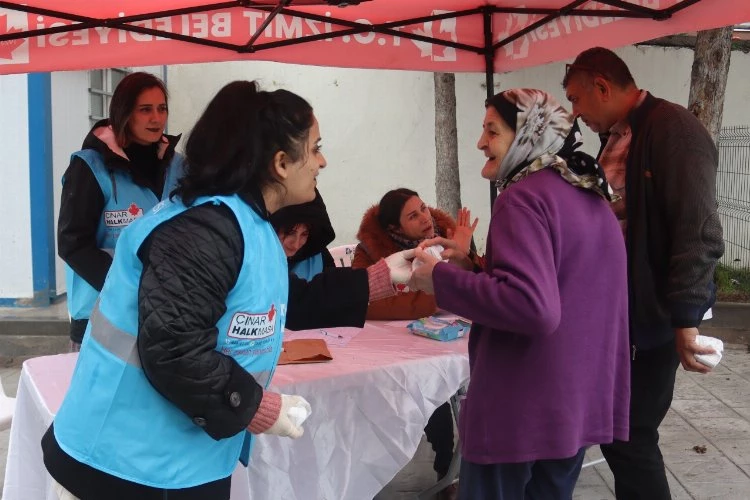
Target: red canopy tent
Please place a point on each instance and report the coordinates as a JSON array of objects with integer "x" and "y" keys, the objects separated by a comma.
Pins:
[{"x": 427, "y": 35}]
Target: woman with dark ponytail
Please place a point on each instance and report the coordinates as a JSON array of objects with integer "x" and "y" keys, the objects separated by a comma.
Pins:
[{"x": 170, "y": 385}]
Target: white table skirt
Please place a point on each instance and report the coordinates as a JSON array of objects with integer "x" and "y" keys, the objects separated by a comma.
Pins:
[{"x": 370, "y": 405}]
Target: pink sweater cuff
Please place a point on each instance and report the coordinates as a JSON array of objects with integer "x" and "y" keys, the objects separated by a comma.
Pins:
[
  {"x": 267, "y": 414},
  {"x": 379, "y": 281}
]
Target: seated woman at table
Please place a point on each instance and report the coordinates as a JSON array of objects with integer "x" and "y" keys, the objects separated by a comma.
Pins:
[
  {"x": 401, "y": 221},
  {"x": 548, "y": 349},
  {"x": 304, "y": 231},
  {"x": 171, "y": 381}
]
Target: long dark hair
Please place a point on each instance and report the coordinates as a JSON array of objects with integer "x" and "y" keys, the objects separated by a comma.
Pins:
[
  {"x": 391, "y": 204},
  {"x": 232, "y": 146},
  {"x": 123, "y": 101}
]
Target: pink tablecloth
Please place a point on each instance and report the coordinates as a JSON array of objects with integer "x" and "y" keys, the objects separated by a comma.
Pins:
[{"x": 370, "y": 405}]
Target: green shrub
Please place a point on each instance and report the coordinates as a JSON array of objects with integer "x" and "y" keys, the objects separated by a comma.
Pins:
[{"x": 733, "y": 284}]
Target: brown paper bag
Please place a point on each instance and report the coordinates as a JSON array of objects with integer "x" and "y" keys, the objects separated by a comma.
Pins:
[{"x": 304, "y": 351}]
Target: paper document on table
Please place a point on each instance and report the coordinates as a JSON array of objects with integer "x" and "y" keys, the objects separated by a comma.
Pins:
[{"x": 337, "y": 337}]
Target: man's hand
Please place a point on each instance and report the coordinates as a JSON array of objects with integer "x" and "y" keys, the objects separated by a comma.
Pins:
[
  {"x": 687, "y": 348},
  {"x": 421, "y": 278},
  {"x": 464, "y": 230}
]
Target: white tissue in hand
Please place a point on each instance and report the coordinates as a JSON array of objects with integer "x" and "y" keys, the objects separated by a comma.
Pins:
[
  {"x": 298, "y": 414},
  {"x": 710, "y": 360},
  {"x": 434, "y": 250}
]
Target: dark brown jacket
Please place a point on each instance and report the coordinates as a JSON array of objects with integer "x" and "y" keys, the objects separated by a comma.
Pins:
[{"x": 674, "y": 235}]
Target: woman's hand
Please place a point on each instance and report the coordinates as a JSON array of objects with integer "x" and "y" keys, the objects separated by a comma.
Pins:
[
  {"x": 421, "y": 277},
  {"x": 399, "y": 265},
  {"x": 452, "y": 252},
  {"x": 274, "y": 415},
  {"x": 464, "y": 230}
]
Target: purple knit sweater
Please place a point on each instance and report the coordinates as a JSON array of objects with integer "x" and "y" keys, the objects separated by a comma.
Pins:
[{"x": 548, "y": 349}]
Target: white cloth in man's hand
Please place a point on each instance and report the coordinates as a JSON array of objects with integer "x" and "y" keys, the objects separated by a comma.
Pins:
[{"x": 710, "y": 360}]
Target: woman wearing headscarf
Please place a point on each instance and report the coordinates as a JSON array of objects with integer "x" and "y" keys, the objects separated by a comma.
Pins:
[{"x": 548, "y": 349}]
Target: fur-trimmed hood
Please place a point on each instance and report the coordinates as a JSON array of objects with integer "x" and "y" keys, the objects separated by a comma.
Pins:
[{"x": 376, "y": 241}]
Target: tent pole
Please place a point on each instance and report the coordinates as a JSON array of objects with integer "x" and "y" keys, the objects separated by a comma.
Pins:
[{"x": 489, "y": 75}]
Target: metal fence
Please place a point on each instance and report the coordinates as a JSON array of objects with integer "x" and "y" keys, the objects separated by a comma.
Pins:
[{"x": 733, "y": 194}]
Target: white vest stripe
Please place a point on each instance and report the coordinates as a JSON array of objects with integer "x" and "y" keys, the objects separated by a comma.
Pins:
[
  {"x": 125, "y": 347},
  {"x": 116, "y": 341}
]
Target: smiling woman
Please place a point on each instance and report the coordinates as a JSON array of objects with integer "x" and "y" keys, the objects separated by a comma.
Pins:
[
  {"x": 187, "y": 331},
  {"x": 126, "y": 166},
  {"x": 549, "y": 308}
]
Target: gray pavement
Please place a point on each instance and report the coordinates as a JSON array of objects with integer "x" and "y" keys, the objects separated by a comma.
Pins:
[{"x": 711, "y": 411}]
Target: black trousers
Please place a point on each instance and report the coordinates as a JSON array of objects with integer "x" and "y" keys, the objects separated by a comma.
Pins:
[
  {"x": 87, "y": 483},
  {"x": 637, "y": 465},
  {"x": 439, "y": 432},
  {"x": 537, "y": 480},
  {"x": 77, "y": 329}
]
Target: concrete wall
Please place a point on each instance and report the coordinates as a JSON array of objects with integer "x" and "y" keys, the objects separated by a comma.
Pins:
[
  {"x": 378, "y": 126},
  {"x": 70, "y": 96},
  {"x": 15, "y": 236}
]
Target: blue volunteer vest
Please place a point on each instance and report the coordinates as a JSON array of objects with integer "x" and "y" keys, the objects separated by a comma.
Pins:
[
  {"x": 124, "y": 202},
  {"x": 114, "y": 420},
  {"x": 309, "y": 268}
]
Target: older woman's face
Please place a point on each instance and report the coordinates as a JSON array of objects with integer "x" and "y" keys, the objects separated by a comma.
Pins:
[
  {"x": 416, "y": 220},
  {"x": 495, "y": 142}
]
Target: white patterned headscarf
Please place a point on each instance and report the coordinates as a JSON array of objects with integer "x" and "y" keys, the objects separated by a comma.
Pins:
[{"x": 546, "y": 136}]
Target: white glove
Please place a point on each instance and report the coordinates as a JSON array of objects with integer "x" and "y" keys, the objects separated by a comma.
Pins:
[
  {"x": 288, "y": 424},
  {"x": 399, "y": 264}
]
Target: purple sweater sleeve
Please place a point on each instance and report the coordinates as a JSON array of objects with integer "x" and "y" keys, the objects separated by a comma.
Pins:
[{"x": 518, "y": 291}]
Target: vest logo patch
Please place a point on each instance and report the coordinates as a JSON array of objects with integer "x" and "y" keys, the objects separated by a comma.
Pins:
[
  {"x": 122, "y": 218},
  {"x": 252, "y": 326}
]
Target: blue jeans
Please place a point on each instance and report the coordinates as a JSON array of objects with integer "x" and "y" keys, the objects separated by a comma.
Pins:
[{"x": 537, "y": 480}]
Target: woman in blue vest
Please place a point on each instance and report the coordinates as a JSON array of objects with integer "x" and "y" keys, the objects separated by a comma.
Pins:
[
  {"x": 305, "y": 231},
  {"x": 126, "y": 166},
  {"x": 170, "y": 384}
]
